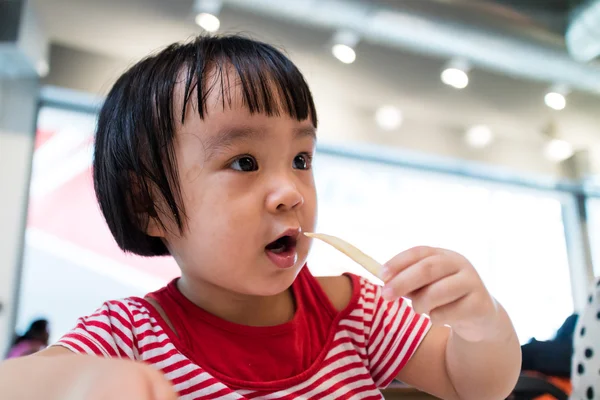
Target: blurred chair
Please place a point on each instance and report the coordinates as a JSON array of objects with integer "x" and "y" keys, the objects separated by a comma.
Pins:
[
  {"x": 585, "y": 370},
  {"x": 533, "y": 387}
]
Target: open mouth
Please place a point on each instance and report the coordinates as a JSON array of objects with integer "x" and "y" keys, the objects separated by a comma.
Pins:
[{"x": 282, "y": 245}]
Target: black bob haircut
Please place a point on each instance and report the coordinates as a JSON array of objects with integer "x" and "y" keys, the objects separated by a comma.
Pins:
[{"x": 134, "y": 168}]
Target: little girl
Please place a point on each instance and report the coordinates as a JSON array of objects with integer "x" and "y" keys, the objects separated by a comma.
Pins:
[{"x": 204, "y": 152}]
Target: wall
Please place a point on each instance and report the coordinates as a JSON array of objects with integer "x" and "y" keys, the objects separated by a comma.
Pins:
[
  {"x": 83, "y": 71},
  {"x": 343, "y": 118}
]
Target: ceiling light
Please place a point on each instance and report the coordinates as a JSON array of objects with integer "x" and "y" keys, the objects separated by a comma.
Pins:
[
  {"x": 455, "y": 74},
  {"x": 42, "y": 68},
  {"x": 558, "y": 150},
  {"x": 208, "y": 22},
  {"x": 455, "y": 77},
  {"x": 556, "y": 101},
  {"x": 388, "y": 118},
  {"x": 345, "y": 54},
  {"x": 343, "y": 46},
  {"x": 479, "y": 136},
  {"x": 206, "y": 12},
  {"x": 556, "y": 98}
]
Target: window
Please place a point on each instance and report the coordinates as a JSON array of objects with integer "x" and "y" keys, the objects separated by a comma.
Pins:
[
  {"x": 514, "y": 237},
  {"x": 71, "y": 263},
  {"x": 593, "y": 211}
]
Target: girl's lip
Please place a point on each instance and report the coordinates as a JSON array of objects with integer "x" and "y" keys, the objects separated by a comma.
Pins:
[{"x": 284, "y": 260}]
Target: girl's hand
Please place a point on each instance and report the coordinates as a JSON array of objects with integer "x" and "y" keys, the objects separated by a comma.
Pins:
[
  {"x": 444, "y": 285},
  {"x": 58, "y": 374},
  {"x": 109, "y": 379}
]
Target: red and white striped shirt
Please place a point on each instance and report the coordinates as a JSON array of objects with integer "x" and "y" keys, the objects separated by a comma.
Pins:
[{"x": 363, "y": 349}]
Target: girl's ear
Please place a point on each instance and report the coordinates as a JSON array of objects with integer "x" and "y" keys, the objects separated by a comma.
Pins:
[
  {"x": 155, "y": 228},
  {"x": 148, "y": 213}
]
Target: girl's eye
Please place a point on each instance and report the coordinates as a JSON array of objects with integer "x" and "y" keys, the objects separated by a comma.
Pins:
[
  {"x": 245, "y": 164},
  {"x": 302, "y": 161}
]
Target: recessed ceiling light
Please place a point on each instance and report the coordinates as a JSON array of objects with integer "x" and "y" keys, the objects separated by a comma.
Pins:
[
  {"x": 555, "y": 100},
  {"x": 206, "y": 12},
  {"x": 208, "y": 22},
  {"x": 344, "y": 53},
  {"x": 388, "y": 117},
  {"x": 558, "y": 150},
  {"x": 455, "y": 77},
  {"x": 479, "y": 136},
  {"x": 343, "y": 44}
]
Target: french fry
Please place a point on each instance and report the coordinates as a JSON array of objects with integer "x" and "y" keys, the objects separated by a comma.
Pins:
[{"x": 355, "y": 254}]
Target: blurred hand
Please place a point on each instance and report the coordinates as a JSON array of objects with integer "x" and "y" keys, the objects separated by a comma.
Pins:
[{"x": 110, "y": 379}]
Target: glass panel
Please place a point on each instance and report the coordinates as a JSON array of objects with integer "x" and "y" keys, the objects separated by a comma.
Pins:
[{"x": 514, "y": 237}]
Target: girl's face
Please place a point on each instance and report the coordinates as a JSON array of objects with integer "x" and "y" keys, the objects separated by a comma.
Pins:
[{"x": 246, "y": 181}]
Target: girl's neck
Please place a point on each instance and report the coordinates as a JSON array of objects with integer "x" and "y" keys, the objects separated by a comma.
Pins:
[{"x": 239, "y": 308}]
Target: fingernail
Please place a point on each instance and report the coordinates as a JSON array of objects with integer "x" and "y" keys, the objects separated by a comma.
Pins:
[
  {"x": 388, "y": 294},
  {"x": 385, "y": 274}
]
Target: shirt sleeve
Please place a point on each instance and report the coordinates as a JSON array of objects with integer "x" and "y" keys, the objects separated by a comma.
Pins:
[
  {"x": 393, "y": 332},
  {"x": 107, "y": 333}
]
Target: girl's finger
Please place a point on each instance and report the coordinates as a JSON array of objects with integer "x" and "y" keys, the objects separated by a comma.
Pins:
[
  {"x": 439, "y": 294},
  {"x": 406, "y": 259},
  {"x": 425, "y": 272}
]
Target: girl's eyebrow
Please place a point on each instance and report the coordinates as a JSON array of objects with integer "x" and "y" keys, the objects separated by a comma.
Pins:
[
  {"x": 305, "y": 131},
  {"x": 228, "y": 136}
]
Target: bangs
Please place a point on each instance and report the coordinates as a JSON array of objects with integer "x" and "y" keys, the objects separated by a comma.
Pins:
[{"x": 269, "y": 82}]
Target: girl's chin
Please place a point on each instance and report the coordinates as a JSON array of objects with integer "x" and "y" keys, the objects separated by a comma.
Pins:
[{"x": 276, "y": 284}]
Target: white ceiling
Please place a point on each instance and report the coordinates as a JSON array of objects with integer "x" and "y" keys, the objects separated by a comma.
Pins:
[{"x": 130, "y": 29}]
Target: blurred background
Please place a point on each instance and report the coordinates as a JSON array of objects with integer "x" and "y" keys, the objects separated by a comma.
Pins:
[{"x": 471, "y": 125}]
